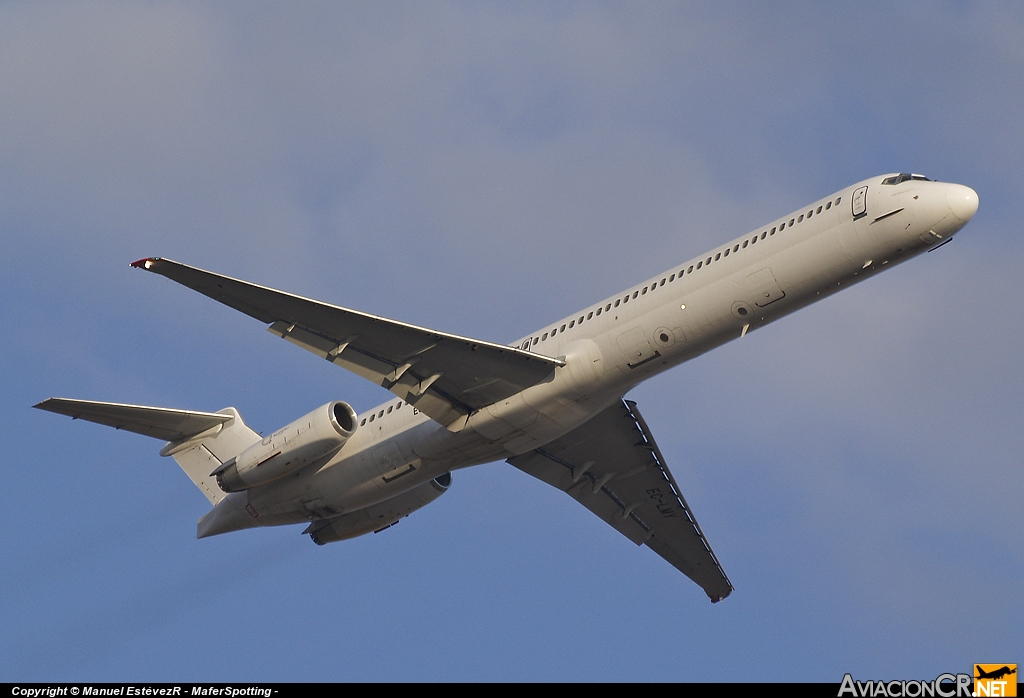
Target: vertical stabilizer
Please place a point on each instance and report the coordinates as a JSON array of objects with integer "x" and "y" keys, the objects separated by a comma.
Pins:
[
  {"x": 205, "y": 452},
  {"x": 199, "y": 441}
]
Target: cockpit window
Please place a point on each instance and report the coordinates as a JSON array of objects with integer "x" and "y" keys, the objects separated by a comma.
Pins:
[{"x": 905, "y": 177}]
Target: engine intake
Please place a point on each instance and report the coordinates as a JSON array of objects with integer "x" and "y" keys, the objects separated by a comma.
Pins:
[{"x": 320, "y": 433}]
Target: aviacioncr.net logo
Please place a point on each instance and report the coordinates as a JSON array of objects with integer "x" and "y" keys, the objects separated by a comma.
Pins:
[
  {"x": 995, "y": 680},
  {"x": 943, "y": 686}
]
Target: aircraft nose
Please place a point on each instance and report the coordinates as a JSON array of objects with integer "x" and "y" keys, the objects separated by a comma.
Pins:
[{"x": 962, "y": 201}]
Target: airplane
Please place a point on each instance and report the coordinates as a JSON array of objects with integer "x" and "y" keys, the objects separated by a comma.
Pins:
[
  {"x": 551, "y": 403},
  {"x": 994, "y": 674}
]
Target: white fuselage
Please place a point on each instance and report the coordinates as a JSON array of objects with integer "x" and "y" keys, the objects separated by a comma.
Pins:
[{"x": 613, "y": 345}]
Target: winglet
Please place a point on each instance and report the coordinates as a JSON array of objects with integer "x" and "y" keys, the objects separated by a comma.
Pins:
[{"x": 144, "y": 263}]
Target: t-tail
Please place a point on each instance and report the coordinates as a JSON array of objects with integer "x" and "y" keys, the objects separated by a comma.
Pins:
[{"x": 200, "y": 442}]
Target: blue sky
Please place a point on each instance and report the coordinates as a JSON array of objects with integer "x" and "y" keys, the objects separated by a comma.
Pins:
[{"x": 484, "y": 169}]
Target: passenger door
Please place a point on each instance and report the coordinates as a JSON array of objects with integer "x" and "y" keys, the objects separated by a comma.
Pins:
[{"x": 860, "y": 203}]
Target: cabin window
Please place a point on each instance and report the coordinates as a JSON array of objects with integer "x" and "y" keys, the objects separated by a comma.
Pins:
[
  {"x": 708, "y": 262},
  {"x": 390, "y": 408},
  {"x": 726, "y": 253},
  {"x": 662, "y": 282},
  {"x": 635, "y": 294},
  {"x": 819, "y": 210},
  {"x": 790, "y": 222},
  {"x": 380, "y": 414},
  {"x": 590, "y": 315},
  {"x": 544, "y": 338},
  {"x": 800, "y": 219},
  {"x": 744, "y": 243},
  {"x": 399, "y": 405},
  {"x": 363, "y": 422},
  {"x": 839, "y": 201},
  {"x": 372, "y": 416},
  {"x": 700, "y": 264},
  {"x": 535, "y": 340},
  {"x": 572, "y": 324},
  {"x": 773, "y": 230},
  {"x": 736, "y": 248},
  {"x": 828, "y": 205},
  {"x": 562, "y": 328},
  {"x": 644, "y": 291},
  {"x": 599, "y": 310},
  {"x": 754, "y": 240},
  {"x": 608, "y": 307},
  {"x": 690, "y": 270},
  {"x": 616, "y": 302},
  {"x": 672, "y": 278},
  {"x": 718, "y": 256}
]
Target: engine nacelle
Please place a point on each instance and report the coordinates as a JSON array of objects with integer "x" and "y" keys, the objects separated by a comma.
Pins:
[
  {"x": 379, "y": 516},
  {"x": 320, "y": 433}
]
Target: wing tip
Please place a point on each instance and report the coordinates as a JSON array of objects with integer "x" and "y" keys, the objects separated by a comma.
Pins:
[
  {"x": 144, "y": 263},
  {"x": 716, "y": 599}
]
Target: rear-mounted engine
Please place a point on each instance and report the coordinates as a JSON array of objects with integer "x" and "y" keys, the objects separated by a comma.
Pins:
[
  {"x": 320, "y": 433},
  {"x": 379, "y": 516}
]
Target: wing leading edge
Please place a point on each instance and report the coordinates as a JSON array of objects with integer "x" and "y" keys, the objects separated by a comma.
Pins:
[
  {"x": 612, "y": 466},
  {"x": 444, "y": 375}
]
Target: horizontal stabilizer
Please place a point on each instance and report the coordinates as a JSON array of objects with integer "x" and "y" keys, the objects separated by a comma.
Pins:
[
  {"x": 196, "y": 443},
  {"x": 158, "y": 422},
  {"x": 444, "y": 375}
]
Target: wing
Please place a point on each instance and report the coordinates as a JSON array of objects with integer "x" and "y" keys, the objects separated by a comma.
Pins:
[
  {"x": 445, "y": 376},
  {"x": 612, "y": 466},
  {"x": 158, "y": 422}
]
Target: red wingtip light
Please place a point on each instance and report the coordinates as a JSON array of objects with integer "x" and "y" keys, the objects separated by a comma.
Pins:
[{"x": 145, "y": 263}]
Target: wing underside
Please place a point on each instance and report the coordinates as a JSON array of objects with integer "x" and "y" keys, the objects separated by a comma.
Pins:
[
  {"x": 612, "y": 466},
  {"x": 444, "y": 375}
]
